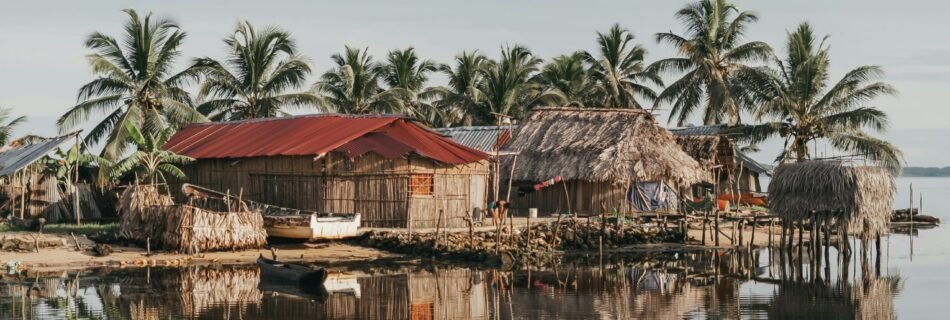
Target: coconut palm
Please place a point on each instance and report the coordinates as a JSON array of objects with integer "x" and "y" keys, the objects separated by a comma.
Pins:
[
  {"x": 404, "y": 70},
  {"x": 460, "y": 100},
  {"x": 134, "y": 84},
  {"x": 568, "y": 75},
  {"x": 262, "y": 65},
  {"x": 7, "y": 129},
  {"x": 619, "y": 71},
  {"x": 507, "y": 87},
  {"x": 714, "y": 59},
  {"x": 805, "y": 108},
  {"x": 149, "y": 162},
  {"x": 353, "y": 86}
]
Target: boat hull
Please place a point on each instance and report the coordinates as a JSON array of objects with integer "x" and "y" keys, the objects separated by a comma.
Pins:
[{"x": 312, "y": 227}]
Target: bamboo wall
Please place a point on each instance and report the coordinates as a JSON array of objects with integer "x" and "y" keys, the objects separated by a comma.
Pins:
[
  {"x": 586, "y": 198},
  {"x": 370, "y": 185}
]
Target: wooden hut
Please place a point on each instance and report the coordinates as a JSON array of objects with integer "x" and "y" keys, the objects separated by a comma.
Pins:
[
  {"x": 390, "y": 169},
  {"x": 28, "y": 189},
  {"x": 860, "y": 198},
  {"x": 600, "y": 154},
  {"x": 716, "y": 151}
]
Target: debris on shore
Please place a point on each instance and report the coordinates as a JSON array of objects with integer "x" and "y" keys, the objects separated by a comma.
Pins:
[{"x": 541, "y": 244}]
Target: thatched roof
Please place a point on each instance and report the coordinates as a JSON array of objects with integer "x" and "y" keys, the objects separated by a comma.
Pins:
[
  {"x": 709, "y": 150},
  {"x": 862, "y": 196},
  {"x": 599, "y": 145}
]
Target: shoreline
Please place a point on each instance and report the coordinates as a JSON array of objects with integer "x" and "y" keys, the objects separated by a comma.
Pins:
[{"x": 346, "y": 252}]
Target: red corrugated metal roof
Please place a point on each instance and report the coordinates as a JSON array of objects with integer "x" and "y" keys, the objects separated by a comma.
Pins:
[{"x": 388, "y": 136}]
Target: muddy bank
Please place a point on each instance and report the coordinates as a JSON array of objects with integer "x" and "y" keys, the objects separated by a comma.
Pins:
[{"x": 539, "y": 244}]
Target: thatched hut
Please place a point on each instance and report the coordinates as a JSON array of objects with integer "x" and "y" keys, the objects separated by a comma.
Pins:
[
  {"x": 715, "y": 150},
  {"x": 391, "y": 170},
  {"x": 601, "y": 155},
  {"x": 860, "y": 198}
]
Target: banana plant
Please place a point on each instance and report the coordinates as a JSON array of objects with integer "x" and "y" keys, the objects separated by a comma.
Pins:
[{"x": 149, "y": 162}]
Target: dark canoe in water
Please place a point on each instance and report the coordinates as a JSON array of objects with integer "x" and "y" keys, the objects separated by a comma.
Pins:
[{"x": 286, "y": 273}]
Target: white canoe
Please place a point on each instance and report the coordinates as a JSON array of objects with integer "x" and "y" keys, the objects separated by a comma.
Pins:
[{"x": 312, "y": 227}]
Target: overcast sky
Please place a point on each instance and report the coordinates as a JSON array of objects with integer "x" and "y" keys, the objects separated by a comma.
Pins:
[{"x": 42, "y": 61}]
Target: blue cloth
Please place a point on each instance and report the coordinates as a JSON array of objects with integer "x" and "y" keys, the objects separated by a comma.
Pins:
[{"x": 649, "y": 196}]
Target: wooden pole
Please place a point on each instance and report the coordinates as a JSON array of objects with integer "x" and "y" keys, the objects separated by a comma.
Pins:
[
  {"x": 705, "y": 222},
  {"x": 752, "y": 240},
  {"x": 25, "y": 189},
  {"x": 791, "y": 236},
  {"x": 567, "y": 196},
  {"x": 911, "y": 210},
  {"x": 76, "y": 184},
  {"x": 438, "y": 230}
]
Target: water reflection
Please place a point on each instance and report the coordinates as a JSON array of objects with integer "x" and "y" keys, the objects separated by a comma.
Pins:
[{"x": 728, "y": 284}]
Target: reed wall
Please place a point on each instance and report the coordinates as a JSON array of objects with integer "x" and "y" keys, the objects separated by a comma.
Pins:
[{"x": 375, "y": 187}]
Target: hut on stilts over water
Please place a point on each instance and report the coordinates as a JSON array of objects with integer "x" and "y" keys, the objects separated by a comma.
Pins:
[
  {"x": 607, "y": 159},
  {"x": 830, "y": 194},
  {"x": 393, "y": 171}
]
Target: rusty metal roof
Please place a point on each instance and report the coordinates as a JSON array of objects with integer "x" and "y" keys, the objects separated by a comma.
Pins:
[{"x": 387, "y": 135}]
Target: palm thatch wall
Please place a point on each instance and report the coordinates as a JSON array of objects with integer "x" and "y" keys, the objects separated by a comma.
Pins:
[
  {"x": 860, "y": 197},
  {"x": 600, "y": 145},
  {"x": 149, "y": 215}
]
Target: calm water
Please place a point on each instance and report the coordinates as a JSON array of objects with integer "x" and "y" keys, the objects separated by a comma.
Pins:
[{"x": 905, "y": 283}]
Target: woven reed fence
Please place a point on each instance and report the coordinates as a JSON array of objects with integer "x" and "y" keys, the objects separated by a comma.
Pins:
[{"x": 148, "y": 215}]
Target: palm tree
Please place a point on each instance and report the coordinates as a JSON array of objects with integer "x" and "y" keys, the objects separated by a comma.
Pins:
[
  {"x": 713, "y": 59},
  {"x": 149, "y": 162},
  {"x": 7, "y": 129},
  {"x": 353, "y": 86},
  {"x": 460, "y": 101},
  {"x": 252, "y": 83},
  {"x": 568, "y": 74},
  {"x": 805, "y": 109},
  {"x": 507, "y": 87},
  {"x": 404, "y": 70},
  {"x": 619, "y": 70},
  {"x": 133, "y": 84}
]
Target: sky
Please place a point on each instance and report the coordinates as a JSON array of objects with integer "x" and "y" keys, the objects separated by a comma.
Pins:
[{"x": 42, "y": 63}]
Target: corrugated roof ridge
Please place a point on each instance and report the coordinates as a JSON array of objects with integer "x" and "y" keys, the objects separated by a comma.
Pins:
[{"x": 305, "y": 116}]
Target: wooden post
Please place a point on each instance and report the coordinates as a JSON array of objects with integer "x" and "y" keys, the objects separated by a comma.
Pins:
[
  {"x": 76, "y": 185},
  {"x": 438, "y": 230},
  {"x": 705, "y": 223},
  {"x": 556, "y": 237},
  {"x": 791, "y": 235},
  {"x": 911, "y": 211},
  {"x": 23, "y": 186},
  {"x": 567, "y": 196},
  {"x": 754, "y": 222},
  {"x": 471, "y": 233},
  {"x": 148, "y": 246},
  {"x": 771, "y": 231},
  {"x": 528, "y": 229},
  {"x": 816, "y": 247},
  {"x": 741, "y": 227}
]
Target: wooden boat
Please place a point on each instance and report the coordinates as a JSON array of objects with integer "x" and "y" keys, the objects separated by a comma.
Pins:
[
  {"x": 312, "y": 226},
  {"x": 274, "y": 271},
  {"x": 291, "y": 223}
]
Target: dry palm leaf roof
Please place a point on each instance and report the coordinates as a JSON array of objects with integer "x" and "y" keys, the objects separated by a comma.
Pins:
[{"x": 600, "y": 145}]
